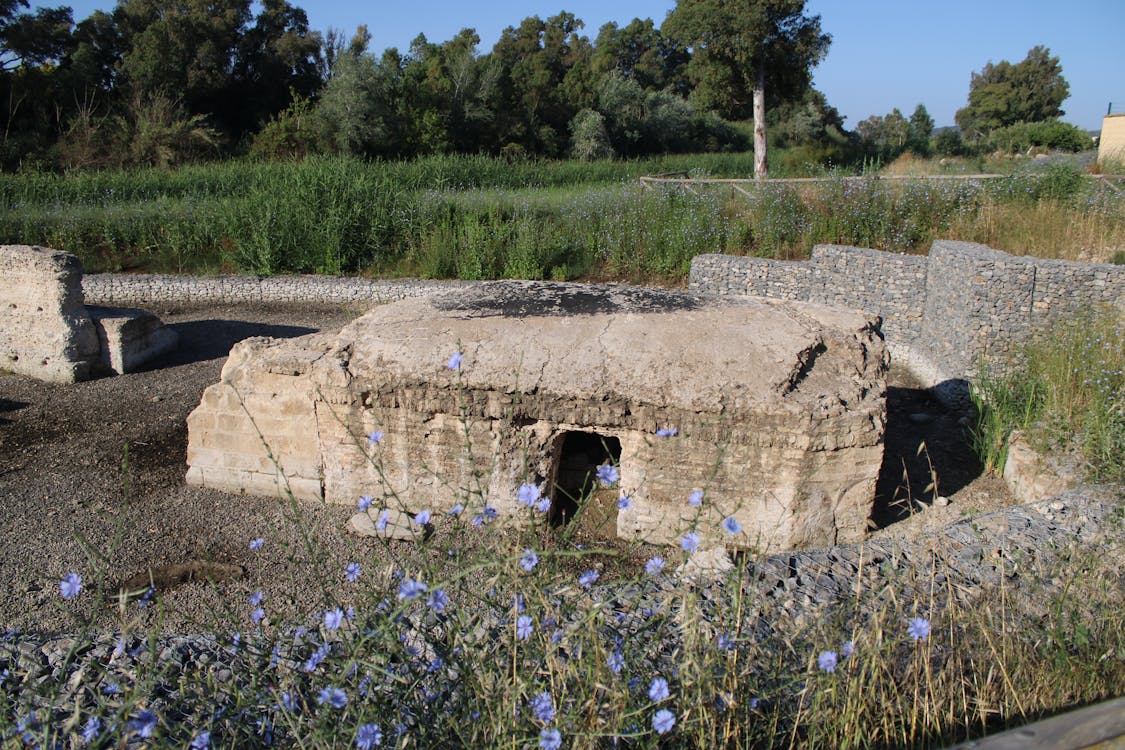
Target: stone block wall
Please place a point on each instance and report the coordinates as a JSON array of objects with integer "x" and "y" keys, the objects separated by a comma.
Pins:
[
  {"x": 255, "y": 430},
  {"x": 45, "y": 331},
  {"x": 978, "y": 303},
  {"x": 756, "y": 277},
  {"x": 941, "y": 313},
  {"x": 888, "y": 284}
]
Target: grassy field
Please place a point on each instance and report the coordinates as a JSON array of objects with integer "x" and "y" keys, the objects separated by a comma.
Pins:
[{"x": 477, "y": 217}]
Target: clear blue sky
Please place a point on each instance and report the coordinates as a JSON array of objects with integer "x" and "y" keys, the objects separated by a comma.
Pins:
[{"x": 884, "y": 53}]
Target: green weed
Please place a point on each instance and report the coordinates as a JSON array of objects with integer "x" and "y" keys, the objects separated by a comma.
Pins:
[{"x": 1065, "y": 389}]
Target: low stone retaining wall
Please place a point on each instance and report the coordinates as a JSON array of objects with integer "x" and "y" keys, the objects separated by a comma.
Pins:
[
  {"x": 134, "y": 289},
  {"x": 941, "y": 313}
]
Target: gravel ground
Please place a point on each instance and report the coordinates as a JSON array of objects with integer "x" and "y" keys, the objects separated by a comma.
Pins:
[{"x": 94, "y": 472}]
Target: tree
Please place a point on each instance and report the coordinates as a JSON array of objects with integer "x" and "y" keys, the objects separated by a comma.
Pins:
[
  {"x": 31, "y": 45},
  {"x": 742, "y": 47},
  {"x": 1003, "y": 94},
  {"x": 545, "y": 79},
  {"x": 806, "y": 121},
  {"x": 588, "y": 136},
  {"x": 32, "y": 38},
  {"x": 640, "y": 52},
  {"x": 884, "y": 137},
  {"x": 921, "y": 126},
  {"x": 448, "y": 93},
  {"x": 181, "y": 48},
  {"x": 277, "y": 61}
]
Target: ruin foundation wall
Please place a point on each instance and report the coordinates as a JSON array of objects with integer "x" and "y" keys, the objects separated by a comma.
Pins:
[{"x": 792, "y": 458}]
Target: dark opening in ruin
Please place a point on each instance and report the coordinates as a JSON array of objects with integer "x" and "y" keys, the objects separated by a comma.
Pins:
[{"x": 575, "y": 482}]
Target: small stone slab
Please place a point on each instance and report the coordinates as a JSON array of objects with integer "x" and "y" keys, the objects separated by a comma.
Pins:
[
  {"x": 130, "y": 337},
  {"x": 399, "y": 526},
  {"x": 1031, "y": 476}
]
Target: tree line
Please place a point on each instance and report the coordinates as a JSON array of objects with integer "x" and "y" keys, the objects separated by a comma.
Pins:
[{"x": 159, "y": 82}]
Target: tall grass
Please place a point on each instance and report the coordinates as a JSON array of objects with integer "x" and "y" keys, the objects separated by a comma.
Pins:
[
  {"x": 1066, "y": 390},
  {"x": 477, "y": 217},
  {"x": 478, "y": 636}
]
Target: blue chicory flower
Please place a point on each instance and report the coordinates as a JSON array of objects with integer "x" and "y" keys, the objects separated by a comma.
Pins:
[
  {"x": 351, "y": 572},
  {"x": 918, "y": 628},
  {"x": 690, "y": 541},
  {"x": 543, "y": 706},
  {"x": 437, "y": 600},
  {"x": 529, "y": 494},
  {"x": 70, "y": 585},
  {"x": 333, "y": 618},
  {"x": 607, "y": 474},
  {"x": 663, "y": 721},
  {"x": 333, "y": 696},
  {"x": 368, "y": 736},
  {"x": 550, "y": 739},
  {"x": 411, "y": 589}
]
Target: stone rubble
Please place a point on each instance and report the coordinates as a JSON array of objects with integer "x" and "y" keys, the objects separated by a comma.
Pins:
[
  {"x": 136, "y": 289},
  {"x": 1027, "y": 545}
]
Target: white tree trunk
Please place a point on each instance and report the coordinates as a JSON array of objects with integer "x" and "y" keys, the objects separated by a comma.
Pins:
[{"x": 760, "y": 169}]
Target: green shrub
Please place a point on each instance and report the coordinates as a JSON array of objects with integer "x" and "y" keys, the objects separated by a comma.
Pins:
[
  {"x": 948, "y": 142},
  {"x": 289, "y": 135},
  {"x": 588, "y": 137},
  {"x": 1048, "y": 134}
]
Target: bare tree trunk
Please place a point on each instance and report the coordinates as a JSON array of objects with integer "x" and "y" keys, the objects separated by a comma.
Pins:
[{"x": 760, "y": 169}]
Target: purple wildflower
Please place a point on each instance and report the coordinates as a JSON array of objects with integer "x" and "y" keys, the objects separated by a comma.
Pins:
[
  {"x": 663, "y": 721},
  {"x": 70, "y": 585}
]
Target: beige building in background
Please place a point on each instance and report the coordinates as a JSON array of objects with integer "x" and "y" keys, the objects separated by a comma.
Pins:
[{"x": 1111, "y": 144}]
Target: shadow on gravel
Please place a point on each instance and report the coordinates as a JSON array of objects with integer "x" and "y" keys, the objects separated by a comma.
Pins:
[
  {"x": 201, "y": 340},
  {"x": 6, "y": 405},
  {"x": 914, "y": 419}
]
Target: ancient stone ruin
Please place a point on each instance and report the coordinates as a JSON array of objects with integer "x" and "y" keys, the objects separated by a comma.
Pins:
[
  {"x": 775, "y": 410},
  {"x": 47, "y": 332}
]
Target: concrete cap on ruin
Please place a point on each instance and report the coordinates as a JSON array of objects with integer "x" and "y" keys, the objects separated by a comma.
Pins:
[{"x": 669, "y": 347}]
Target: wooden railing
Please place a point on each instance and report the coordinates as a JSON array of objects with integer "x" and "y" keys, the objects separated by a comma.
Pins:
[{"x": 688, "y": 183}]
